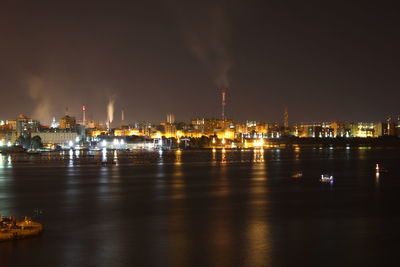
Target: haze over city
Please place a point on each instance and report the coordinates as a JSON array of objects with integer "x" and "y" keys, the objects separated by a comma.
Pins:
[{"x": 324, "y": 61}]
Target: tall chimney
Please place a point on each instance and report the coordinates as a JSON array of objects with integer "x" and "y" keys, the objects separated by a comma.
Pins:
[
  {"x": 223, "y": 104},
  {"x": 84, "y": 115}
]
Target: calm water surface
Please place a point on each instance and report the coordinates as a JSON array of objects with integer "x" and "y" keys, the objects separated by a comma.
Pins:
[{"x": 204, "y": 208}]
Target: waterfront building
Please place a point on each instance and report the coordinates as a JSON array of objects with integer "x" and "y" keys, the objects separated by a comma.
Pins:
[
  {"x": 362, "y": 129},
  {"x": 8, "y": 137},
  {"x": 60, "y": 137},
  {"x": 127, "y": 132},
  {"x": 25, "y": 125}
]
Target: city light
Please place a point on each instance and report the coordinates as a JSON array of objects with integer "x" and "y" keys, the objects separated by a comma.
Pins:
[
  {"x": 258, "y": 142},
  {"x": 199, "y": 133}
]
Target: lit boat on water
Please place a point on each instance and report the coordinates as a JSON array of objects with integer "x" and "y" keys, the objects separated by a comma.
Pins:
[
  {"x": 297, "y": 175},
  {"x": 326, "y": 178},
  {"x": 379, "y": 169},
  {"x": 10, "y": 229}
]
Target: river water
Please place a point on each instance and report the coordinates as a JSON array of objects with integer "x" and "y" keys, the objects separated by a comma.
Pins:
[{"x": 204, "y": 208}]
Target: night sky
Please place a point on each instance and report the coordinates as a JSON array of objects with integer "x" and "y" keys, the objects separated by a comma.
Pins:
[{"x": 324, "y": 60}]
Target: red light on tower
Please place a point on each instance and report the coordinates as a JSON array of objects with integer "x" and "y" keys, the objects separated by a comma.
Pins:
[{"x": 83, "y": 108}]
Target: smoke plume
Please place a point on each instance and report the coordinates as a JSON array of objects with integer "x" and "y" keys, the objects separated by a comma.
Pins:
[
  {"x": 38, "y": 92},
  {"x": 110, "y": 109},
  {"x": 207, "y": 34}
]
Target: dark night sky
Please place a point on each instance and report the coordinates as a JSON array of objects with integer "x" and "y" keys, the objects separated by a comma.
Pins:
[{"x": 325, "y": 60}]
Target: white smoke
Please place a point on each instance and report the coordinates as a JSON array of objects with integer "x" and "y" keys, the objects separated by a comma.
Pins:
[{"x": 110, "y": 109}]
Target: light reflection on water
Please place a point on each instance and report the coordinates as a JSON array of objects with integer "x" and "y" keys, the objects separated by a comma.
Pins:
[
  {"x": 219, "y": 207},
  {"x": 160, "y": 157},
  {"x": 223, "y": 156},
  {"x": 5, "y": 161},
  {"x": 116, "y": 157},
  {"x": 5, "y": 177},
  {"x": 104, "y": 155},
  {"x": 377, "y": 178},
  {"x": 221, "y": 219},
  {"x": 177, "y": 237},
  {"x": 214, "y": 156},
  {"x": 177, "y": 178},
  {"x": 257, "y": 230},
  {"x": 178, "y": 157}
]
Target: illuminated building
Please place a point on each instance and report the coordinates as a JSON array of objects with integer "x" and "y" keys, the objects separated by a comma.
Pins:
[
  {"x": 127, "y": 132},
  {"x": 92, "y": 124},
  {"x": 170, "y": 130},
  {"x": 362, "y": 129},
  {"x": 25, "y": 125},
  {"x": 340, "y": 129},
  {"x": 96, "y": 132},
  {"x": 54, "y": 123},
  {"x": 210, "y": 127},
  {"x": 67, "y": 122},
  {"x": 314, "y": 130},
  {"x": 8, "y": 136},
  {"x": 57, "y": 137}
]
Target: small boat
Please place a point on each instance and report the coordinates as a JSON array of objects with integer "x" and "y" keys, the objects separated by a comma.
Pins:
[
  {"x": 10, "y": 229},
  {"x": 297, "y": 174},
  {"x": 326, "y": 178},
  {"x": 379, "y": 169}
]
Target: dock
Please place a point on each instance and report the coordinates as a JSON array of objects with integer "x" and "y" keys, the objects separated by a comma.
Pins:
[{"x": 21, "y": 230}]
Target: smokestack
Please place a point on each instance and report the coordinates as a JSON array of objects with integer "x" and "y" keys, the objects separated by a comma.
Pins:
[
  {"x": 223, "y": 104},
  {"x": 286, "y": 121},
  {"x": 84, "y": 115},
  {"x": 122, "y": 116},
  {"x": 170, "y": 118}
]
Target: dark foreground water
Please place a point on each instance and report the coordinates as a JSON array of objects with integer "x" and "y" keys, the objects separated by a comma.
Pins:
[{"x": 204, "y": 208}]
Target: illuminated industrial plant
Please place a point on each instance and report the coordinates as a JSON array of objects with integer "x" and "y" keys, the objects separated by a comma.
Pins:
[{"x": 67, "y": 132}]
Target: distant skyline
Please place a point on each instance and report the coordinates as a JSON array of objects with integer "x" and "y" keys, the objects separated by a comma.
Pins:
[{"x": 324, "y": 61}]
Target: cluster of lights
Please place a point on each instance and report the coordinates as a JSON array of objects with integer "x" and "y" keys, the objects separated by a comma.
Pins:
[
  {"x": 3, "y": 143},
  {"x": 258, "y": 142},
  {"x": 115, "y": 142}
]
